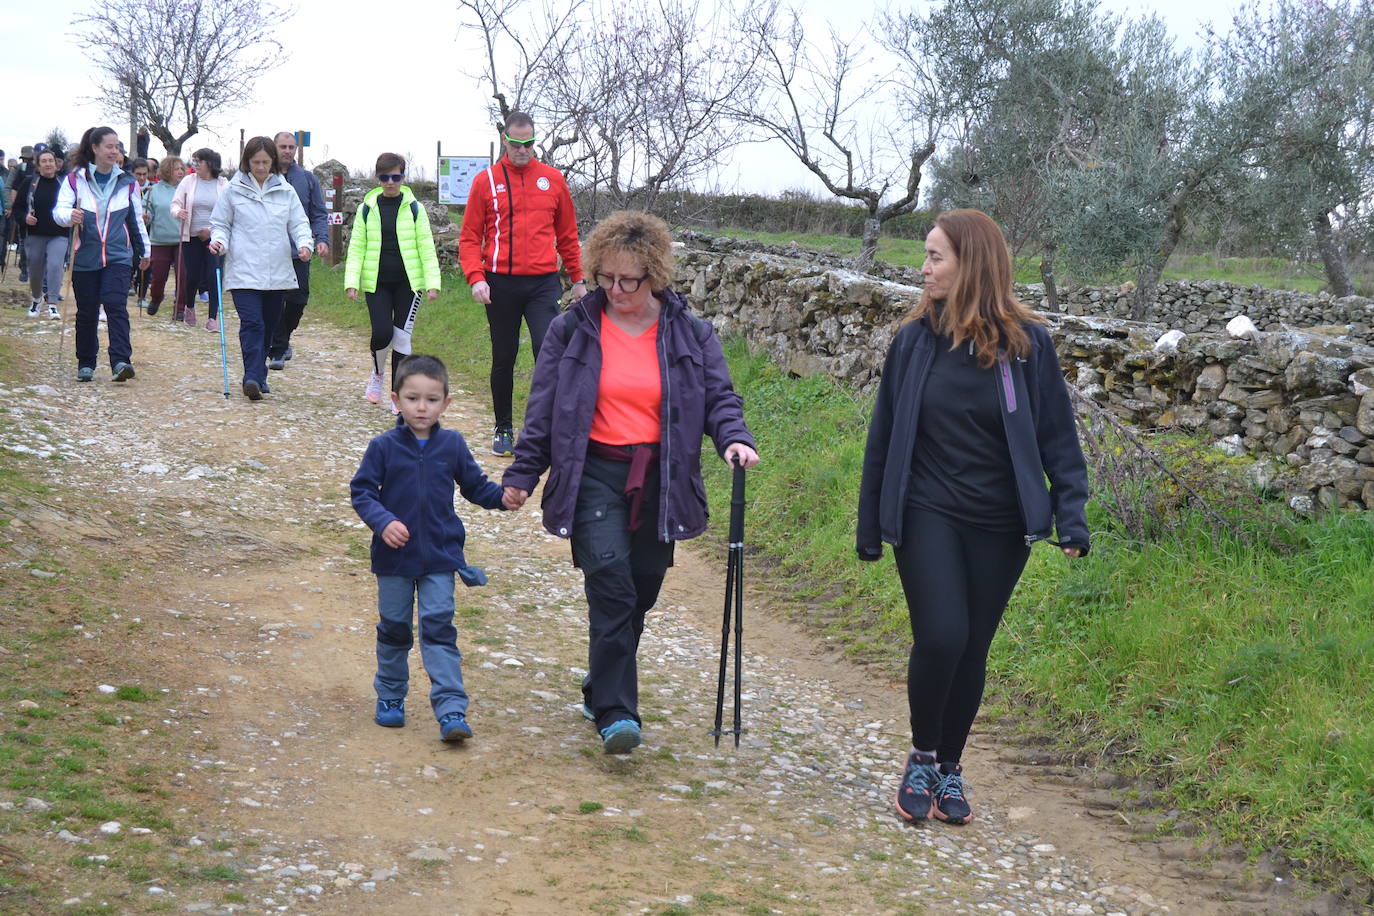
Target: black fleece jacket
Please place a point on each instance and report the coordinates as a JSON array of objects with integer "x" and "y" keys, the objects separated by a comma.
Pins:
[{"x": 1042, "y": 438}]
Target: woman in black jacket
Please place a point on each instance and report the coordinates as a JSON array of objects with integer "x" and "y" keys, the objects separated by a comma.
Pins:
[
  {"x": 972, "y": 415},
  {"x": 46, "y": 242}
]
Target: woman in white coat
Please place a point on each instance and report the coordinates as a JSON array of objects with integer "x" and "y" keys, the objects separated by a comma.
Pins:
[{"x": 256, "y": 222}]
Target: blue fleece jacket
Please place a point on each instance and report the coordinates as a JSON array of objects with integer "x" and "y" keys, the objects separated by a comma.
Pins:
[{"x": 400, "y": 479}]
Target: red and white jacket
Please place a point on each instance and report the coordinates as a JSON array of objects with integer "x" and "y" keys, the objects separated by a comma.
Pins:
[{"x": 519, "y": 221}]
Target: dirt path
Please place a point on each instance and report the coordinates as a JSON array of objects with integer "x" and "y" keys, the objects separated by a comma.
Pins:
[{"x": 259, "y": 607}]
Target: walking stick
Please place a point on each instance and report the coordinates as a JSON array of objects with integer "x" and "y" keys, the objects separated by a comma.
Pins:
[
  {"x": 66, "y": 295},
  {"x": 223, "y": 347},
  {"x": 177, "y": 289},
  {"x": 734, "y": 606}
]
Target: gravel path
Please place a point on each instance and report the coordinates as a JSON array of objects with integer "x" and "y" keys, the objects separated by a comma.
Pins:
[{"x": 261, "y": 613}]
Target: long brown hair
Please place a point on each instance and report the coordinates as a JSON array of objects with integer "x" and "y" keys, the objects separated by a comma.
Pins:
[{"x": 980, "y": 305}]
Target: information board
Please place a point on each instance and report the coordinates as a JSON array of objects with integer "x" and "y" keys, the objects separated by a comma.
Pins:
[{"x": 455, "y": 177}]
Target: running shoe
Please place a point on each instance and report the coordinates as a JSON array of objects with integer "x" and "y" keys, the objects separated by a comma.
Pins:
[
  {"x": 53, "y": 312},
  {"x": 503, "y": 441},
  {"x": 33, "y": 309},
  {"x": 918, "y": 783},
  {"x": 204, "y": 296},
  {"x": 211, "y": 325},
  {"x": 143, "y": 305},
  {"x": 288, "y": 354},
  {"x": 276, "y": 364},
  {"x": 620, "y": 737},
  {"x": 374, "y": 389},
  {"x": 951, "y": 804},
  {"x": 454, "y": 726},
  {"x": 252, "y": 391},
  {"x": 123, "y": 372},
  {"x": 391, "y": 713},
  {"x": 85, "y": 374}
]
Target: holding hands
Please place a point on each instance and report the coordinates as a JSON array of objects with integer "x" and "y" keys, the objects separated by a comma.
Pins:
[{"x": 514, "y": 498}]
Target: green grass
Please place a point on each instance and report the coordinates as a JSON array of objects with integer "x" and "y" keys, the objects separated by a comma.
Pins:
[{"x": 1237, "y": 679}]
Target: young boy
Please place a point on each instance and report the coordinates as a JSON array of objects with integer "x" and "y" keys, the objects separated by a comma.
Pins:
[{"x": 404, "y": 492}]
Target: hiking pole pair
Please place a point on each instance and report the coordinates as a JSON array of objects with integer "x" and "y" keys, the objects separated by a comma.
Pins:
[
  {"x": 734, "y": 605},
  {"x": 223, "y": 347}
]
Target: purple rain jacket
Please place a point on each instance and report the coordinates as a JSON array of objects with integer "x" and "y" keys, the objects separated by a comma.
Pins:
[{"x": 698, "y": 399}]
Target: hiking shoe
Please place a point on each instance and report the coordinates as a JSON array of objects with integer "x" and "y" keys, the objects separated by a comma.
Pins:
[
  {"x": 264, "y": 388},
  {"x": 586, "y": 712},
  {"x": 211, "y": 325},
  {"x": 391, "y": 713},
  {"x": 620, "y": 737},
  {"x": 951, "y": 806},
  {"x": 85, "y": 374},
  {"x": 33, "y": 309},
  {"x": 916, "y": 793},
  {"x": 253, "y": 390},
  {"x": 123, "y": 372},
  {"x": 143, "y": 305},
  {"x": 276, "y": 363},
  {"x": 153, "y": 307},
  {"x": 189, "y": 316},
  {"x": 453, "y": 726},
  {"x": 53, "y": 312},
  {"x": 288, "y": 354},
  {"x": 503, "y": 441},
  {"x": 373, "y": 392}
]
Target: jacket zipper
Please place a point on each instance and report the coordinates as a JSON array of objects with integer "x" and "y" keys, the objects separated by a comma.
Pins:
[
  {"x": 510, "y": 219},
  {"x": 665, "y": 438}
]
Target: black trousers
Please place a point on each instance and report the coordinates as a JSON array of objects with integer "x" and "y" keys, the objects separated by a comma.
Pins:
[
  {"x": 387, "y": 308},
  {"x": 292, "y": 311},
  {"x": 957, "y": 581},
  {"x": 532, "y": 298},
  {"x": 622, "y": 573}
]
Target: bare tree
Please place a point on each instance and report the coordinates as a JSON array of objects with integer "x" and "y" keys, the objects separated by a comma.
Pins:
[
  {"x": 177, "y": 64},
  {"x": 629, "y": 103},
  {"x": 861, "y": 126}
]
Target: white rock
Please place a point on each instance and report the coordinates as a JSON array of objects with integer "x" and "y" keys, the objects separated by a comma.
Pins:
[
  {"x": 1168, "y": 341},
  {"x": 512, "y": 663},
  {"x": 153, "y": 467},
  {"x": 67, "y": 836},
  {"x": 110, "y": 828},
  {"x": 250, "y": 802},
  {"x": 1241, "y": 327},
  {"x": 105, "y": 688}
]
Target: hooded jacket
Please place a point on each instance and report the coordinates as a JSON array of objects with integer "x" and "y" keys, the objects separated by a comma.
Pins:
[
  {"x": 413, "y": 237},
  {"x": 400, "y": 480},
  {"x": 112, "y": 230},
  {"x": 519, "y": 221},
  {"x": 1042, "y": 438},
  {"x": 698, "y": 399},
  {"x": 260, "y": 228}
]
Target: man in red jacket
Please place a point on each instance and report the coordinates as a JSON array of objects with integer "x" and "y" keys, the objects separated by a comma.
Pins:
[{"x": 518, "y": 222}]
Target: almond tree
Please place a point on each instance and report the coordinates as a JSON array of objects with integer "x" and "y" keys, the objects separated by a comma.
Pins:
[{"x": 177, "y": 64}]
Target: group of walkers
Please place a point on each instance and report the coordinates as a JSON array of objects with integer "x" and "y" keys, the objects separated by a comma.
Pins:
[{"x": 972, "y": 453}]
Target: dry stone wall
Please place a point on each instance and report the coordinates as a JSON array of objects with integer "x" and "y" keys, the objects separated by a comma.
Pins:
[{"x": 1301, "y": 402}]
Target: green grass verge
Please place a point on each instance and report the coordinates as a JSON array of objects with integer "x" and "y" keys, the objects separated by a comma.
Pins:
[{"x": 1238, "y": 680}]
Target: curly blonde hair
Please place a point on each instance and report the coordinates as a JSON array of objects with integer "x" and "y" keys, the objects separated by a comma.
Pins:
[{"x": 642, "y": 236}]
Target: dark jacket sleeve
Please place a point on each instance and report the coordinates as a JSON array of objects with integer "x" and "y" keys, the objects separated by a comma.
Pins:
[
  {"x": 316, "y": 211},
  {"x": 869, "y": 536},
  {"x": 724, "y": 406},
  {"x": 366, "y": 489},
  {"x": 533, "y": 447},
  {"x": 1056, "y": 432},
  {"x": 473, "y": 483}
]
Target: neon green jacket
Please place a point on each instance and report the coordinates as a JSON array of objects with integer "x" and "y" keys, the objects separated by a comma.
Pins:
[{"x": 412, "y": 236}]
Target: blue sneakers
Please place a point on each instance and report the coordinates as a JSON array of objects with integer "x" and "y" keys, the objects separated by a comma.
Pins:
[
  {"x": 453, "y": 726},
  {"x": 916, "y": 793},
  {"x": 951, "y": 805},
  {"x": 391, "y": 713},
  {"x": 123, "y": 372},
  {"x": 620, "y": 737},
  {"x": 85, "y": 374}
]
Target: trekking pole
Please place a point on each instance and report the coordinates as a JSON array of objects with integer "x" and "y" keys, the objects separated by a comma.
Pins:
[
  {"x": 65, "y": 295},
  {"x": 176, "y": 290},
  {"x": 734, "y": 607},
  {"x": 223, "y": 347}
]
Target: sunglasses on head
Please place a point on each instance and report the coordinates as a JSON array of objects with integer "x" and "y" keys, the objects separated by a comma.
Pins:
[
  {"x": 387, "y": 179},
  {"x": 522, "y": 144}
]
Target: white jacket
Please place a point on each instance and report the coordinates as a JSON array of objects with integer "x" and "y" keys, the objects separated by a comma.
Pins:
[{"x": 260, "y": 230}]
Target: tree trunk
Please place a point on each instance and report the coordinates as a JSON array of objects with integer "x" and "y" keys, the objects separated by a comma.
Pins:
[
  {"x": 1047, "y": 275},
  {"x": 1147, "y": 281},
  {"x": 1333, "y": 259},
  {"x": 868, "y": 250}
]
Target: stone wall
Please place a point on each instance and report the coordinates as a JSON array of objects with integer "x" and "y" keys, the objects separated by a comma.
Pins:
[{"x": 1300, "y": 402}]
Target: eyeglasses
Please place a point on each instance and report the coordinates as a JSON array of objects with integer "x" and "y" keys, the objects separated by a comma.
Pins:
[
  {"x": 519, "y": 144},
  {"x": 626, "y": 284},
  {"x": 388, "y": 179}
]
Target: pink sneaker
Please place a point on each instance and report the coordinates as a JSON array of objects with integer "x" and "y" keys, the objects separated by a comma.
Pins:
[
  {"x": 211, "y": 325},
  {"x": 374, "y": 389},
  {"x": 190, "y": 317}
]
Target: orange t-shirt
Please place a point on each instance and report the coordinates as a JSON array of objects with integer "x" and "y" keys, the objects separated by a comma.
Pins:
[{"x": 631, "y": 392}]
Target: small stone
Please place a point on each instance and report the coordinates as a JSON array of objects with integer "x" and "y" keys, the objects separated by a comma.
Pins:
[
  {"x": 36, "y": 804},
  {"x": 384, "y": 874},
  {"x": 42, "y": 574},
  {"x": 25, "y": 704},
  {"x": 67, "y": 836},
  {"x": 428, "y": 854},
  {"x": 110, "y": 828},
  {"x": 512, "y": 663},
  {"x": 156, "y": 890},
  {"x": 289, "y": 871},
  {"x": 106, "y": 688},
  {"x": 250, "y": 802}
]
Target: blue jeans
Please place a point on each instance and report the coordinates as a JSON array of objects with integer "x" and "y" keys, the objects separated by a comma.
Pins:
[
  {"x": 108, "y": 287},
  {"x": 259, "y": 311},
  {"x": 438, "y": 640}
]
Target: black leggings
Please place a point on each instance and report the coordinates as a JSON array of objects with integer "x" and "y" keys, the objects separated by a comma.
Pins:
[
  {"x": 388, "y": 308},
  {"x": 957, "y": 581},
  {"x": 514, "y": 297}
]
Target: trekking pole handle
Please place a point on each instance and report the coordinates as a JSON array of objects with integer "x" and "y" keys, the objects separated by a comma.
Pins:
[{"x": 737, "y": 505}]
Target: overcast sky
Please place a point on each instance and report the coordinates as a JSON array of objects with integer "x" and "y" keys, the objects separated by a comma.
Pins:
[{"x": 369, "y": 77}]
